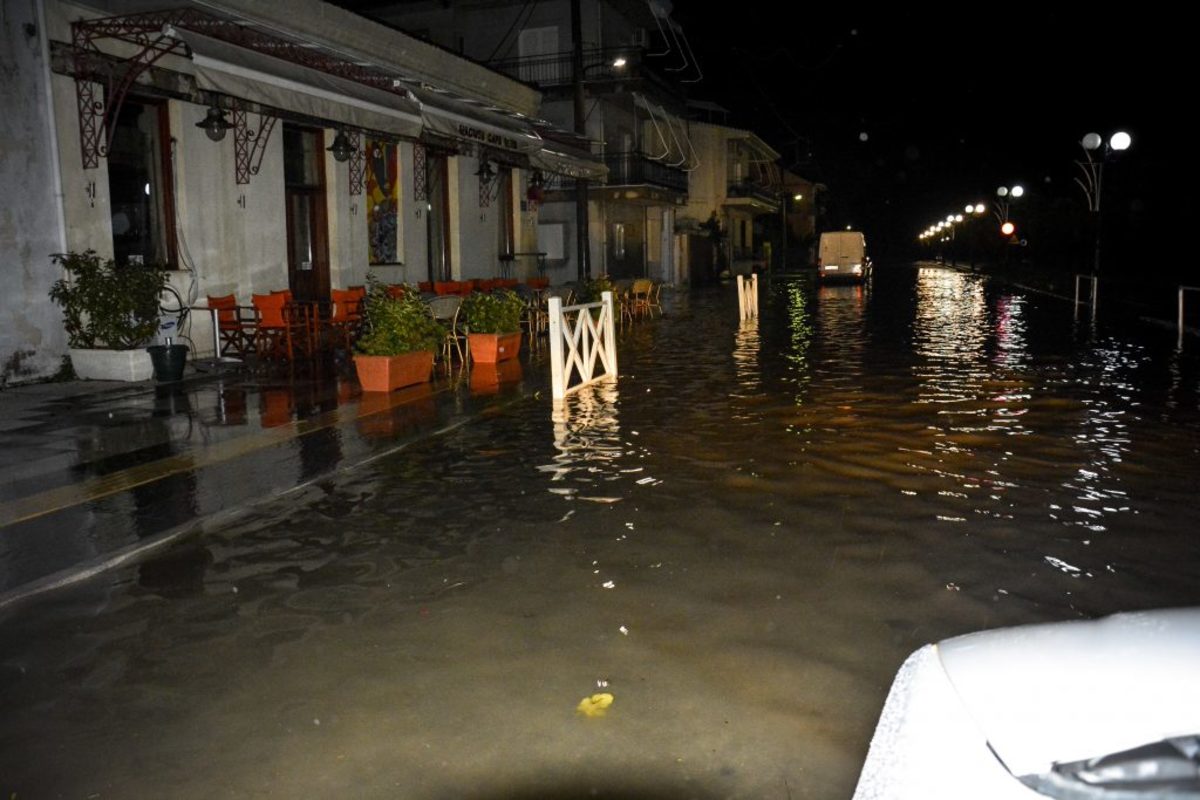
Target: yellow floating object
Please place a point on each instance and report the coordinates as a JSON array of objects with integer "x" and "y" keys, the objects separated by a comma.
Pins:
[{"x": 596, "y": 705}]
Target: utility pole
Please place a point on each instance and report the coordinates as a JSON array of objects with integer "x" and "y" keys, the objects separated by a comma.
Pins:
[{"x": 582, "y": 247}]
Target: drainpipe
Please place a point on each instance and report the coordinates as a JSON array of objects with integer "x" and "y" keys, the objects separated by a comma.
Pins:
[
  {"x": 52, "y": 130},
  {"x": 582, "y": 244}
]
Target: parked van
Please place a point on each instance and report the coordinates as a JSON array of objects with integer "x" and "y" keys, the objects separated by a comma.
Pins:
[{"x": 843, "y": 256}]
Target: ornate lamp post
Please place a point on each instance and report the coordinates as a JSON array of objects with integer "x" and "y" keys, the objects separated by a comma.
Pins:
[{"x": 1093, "y": 177}]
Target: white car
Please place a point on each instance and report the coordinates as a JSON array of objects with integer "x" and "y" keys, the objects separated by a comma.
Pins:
[{"x": 1107, "y": 709}]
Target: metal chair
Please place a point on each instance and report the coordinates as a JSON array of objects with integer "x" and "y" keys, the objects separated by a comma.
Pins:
[{"x": 444, "y": 309}]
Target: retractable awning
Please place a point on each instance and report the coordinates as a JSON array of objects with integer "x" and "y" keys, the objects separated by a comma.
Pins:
[
  {"x": 238, "y": 72},
  {"x": 573, "y": 166},
  {"x": 461, "y": 119}
]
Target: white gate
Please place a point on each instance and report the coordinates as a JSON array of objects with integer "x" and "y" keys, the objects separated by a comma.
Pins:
[
  {"x": 748, "y": 296},
  {"x": 578, "y": 342}
]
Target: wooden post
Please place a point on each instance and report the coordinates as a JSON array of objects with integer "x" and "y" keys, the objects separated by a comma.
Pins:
[{"x": 557, "y": 378}]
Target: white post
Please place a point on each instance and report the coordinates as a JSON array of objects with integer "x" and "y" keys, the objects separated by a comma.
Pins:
[
  {"x": 754, "y": 294},
  {"x": 557, "y": 378},
  {"x": 610, "y": 336},
  {"x": 1179, "y": 325}
]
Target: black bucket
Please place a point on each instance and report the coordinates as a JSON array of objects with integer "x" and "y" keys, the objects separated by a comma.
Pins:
[{"x": 169, "y": 361}]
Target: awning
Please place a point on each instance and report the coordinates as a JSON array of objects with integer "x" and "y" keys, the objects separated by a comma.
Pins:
[
  {"x": 572, "y": 166},
  {"x": 677, "y": 145},
  {"x": 461, "y": 120},
  {"x": 238, "y": 72}
]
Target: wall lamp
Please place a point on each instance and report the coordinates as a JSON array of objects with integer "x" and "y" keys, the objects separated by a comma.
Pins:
[
  {"x": 214, "y": 124},
  {"x": 341, "y": 147}
]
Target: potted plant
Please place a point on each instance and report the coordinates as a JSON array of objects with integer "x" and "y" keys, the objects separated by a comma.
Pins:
[
  {"x": 110, "y": 312},
  {"x": 398, "y": 346},
  {"x": 493, "y": 325}
]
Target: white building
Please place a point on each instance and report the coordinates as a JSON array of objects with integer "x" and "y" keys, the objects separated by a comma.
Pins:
[{"x": 347, "y": 147}]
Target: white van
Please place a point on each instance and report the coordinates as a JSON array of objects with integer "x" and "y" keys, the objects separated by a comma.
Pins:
[{"x": 843, "y": 256}]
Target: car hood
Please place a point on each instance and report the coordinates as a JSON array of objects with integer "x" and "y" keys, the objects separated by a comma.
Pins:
[{"x": 1071, "y": 691}]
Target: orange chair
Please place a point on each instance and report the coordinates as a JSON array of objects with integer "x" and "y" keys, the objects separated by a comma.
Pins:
[
  {"x": 425, "y": 286},
  {"x": 235, "y": 325},
  {"x": 345, "y": 315},
  {"x": 281, "y": 327},
  {"x": 445, "y": 287}
]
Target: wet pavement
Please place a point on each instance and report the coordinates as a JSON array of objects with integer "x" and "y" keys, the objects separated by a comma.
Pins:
[{"x": 741, "y": 541}]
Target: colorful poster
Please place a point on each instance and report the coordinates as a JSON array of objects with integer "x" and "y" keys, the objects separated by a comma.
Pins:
[{"x": 383, "y": 201}]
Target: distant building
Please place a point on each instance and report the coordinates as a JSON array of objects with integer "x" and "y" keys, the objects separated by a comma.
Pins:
[
  {"x": 738, "y": 181},
  {"x": 634, "y": 109}
]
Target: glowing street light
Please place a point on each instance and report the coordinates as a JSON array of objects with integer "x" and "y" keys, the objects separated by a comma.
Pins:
[{"x": 1093, "y": 176}]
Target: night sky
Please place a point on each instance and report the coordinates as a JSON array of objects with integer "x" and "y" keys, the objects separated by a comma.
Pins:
[{"x": 956, "y": 103}]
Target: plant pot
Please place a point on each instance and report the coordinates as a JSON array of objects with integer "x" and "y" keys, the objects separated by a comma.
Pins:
[
  {"x": 490, "y": 348},
  {"x": 388, "y": 373},
  {"x": 168, "y": 361},
  {"x": 111, "y": 365}
]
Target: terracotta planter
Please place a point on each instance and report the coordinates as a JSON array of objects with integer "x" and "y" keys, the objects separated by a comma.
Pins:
[
  {"x": 490, "y": 348},
  {"x": 388, "y": 373}
]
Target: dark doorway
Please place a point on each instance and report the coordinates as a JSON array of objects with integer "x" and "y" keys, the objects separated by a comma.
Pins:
[
  {"x": 438, "y": 217},
  {"x": 307, "y": 231}
]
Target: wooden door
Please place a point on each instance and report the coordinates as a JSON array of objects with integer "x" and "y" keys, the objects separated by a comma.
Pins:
[{"x": 307, "y": 225}]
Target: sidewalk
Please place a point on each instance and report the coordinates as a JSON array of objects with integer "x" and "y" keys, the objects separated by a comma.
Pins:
[{"x": 93, "y": 472}]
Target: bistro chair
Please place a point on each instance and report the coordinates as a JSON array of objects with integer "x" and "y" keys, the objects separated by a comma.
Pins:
[
  {"x": 281, "y": 327},
  {"x": 345, "y": 315},
  {"x": 640, "y": 294},
  {"x": 445, "y": 309}
]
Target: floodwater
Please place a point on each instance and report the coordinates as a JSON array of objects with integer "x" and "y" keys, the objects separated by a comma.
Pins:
[{"x": 740, "y": 542}]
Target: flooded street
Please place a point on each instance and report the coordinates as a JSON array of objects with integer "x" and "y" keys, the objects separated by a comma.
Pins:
[{"x": 741, "y": 541}]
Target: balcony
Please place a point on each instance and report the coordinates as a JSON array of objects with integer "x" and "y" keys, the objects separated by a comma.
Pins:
[
  {"x": 752, "y": 190},
  {"x": 554, "y": 70},
  {"x": 634, "y": 169}
]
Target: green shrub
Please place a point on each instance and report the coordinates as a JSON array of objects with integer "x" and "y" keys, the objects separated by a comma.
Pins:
[
  {"x": 105, "y": 305},
  {"x": 498, "y": 312},
  {"x": 396, "y": 325}
]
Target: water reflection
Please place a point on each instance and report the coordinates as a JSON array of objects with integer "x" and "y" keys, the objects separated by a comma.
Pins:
[
  {"x": 746, "y": 345},
  {"x": 587, "y": 441},
  {"x": 949, "y": 334}
]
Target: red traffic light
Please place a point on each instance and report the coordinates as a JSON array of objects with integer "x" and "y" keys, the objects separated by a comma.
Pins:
[{"x": 1008, "y": 228}]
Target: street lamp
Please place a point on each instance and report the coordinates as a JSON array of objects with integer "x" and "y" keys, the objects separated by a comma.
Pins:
[{"x": 1093, "y": 176}]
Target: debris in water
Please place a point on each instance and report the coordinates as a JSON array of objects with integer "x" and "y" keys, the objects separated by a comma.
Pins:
[
  {"x": 596, "y": 705},
  {"x": 602, "y": 499},
  {"x": 624, "y": 631},
  {"x": 608, "y": 584},
  {"x": 952, "y": 586}
]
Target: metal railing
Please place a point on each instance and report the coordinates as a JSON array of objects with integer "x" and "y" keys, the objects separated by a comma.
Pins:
[
  {"x": 751, "y": 189},
  {"x": 629, "y": 169},
  {"x": 555, "y": 69}
]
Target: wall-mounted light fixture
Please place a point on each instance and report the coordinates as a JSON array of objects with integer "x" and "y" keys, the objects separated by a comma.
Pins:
[
  {"x": 214, "y": 124},
  {"x": 341, "y": 147}
]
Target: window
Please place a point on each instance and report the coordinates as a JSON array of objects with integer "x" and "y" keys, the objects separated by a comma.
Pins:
[
  {"x": 619, "y": 239},
  {"x": 383, "y": 202},
  {"x": 139, "y": 185}
]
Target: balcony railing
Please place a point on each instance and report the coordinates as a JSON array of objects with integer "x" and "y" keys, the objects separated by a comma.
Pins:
[
  {"x": 556, "y": 69},
  {"x": 631, "y": 169},
  {"x": 751, "y": 189}
]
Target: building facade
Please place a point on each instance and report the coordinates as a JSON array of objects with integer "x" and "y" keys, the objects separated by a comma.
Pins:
[
  {"x": 737, "y": 185},
  {"x": 630, "y": 103},
  {"x": 253, "y": 147}
]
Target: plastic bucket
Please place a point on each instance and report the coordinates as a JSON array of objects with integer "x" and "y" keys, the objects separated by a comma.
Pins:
[{"x": 169, "y": 361}]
